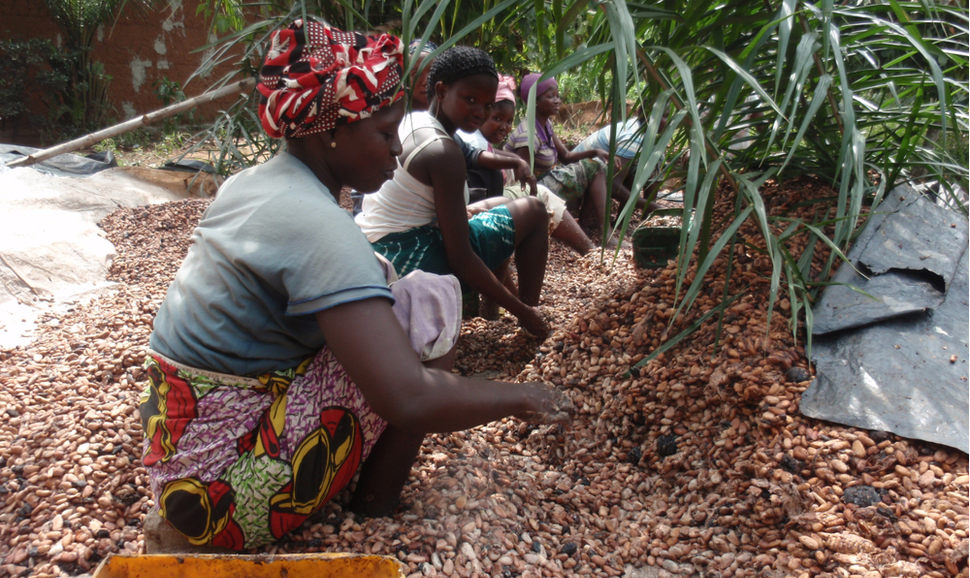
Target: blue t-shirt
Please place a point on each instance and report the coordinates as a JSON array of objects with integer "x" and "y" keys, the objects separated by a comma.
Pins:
[
  {"x": 272, "y": 248},
  {"x": 627, "y": 140}
]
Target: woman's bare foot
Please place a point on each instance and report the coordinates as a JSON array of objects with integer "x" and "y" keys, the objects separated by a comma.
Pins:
[{"x": 162, "y": 538}]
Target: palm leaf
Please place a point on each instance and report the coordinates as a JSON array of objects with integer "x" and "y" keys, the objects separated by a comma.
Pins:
[{"x": 864, "y": 96}]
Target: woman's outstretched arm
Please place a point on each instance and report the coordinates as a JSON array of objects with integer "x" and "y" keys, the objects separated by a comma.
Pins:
[
  {"x": 372, "y": 347},
  {"x": 442, "y": 165},
  {"x": 499, "y": 160},
  {"x": 568, "y": 156},
  {"x": 416, "y": 398}
]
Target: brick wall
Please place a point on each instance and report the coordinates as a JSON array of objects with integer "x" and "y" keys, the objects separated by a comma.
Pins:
[{"x": 140, "y": 49}]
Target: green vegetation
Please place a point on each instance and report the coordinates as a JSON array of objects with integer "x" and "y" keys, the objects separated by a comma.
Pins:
[
  {"x": 82, "y": 104},
  {"x": 36, "y": 70},
  {"x": 107, "y": 145},
  {"x": 170, "y": 92},
  {"x": 17, "y": 60},
  {"x": 73, "y": 87},
  {"x": 864, "y": 95}
]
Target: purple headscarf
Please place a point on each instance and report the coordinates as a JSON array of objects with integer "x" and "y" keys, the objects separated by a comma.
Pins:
[{"x": 531, "y": 79}]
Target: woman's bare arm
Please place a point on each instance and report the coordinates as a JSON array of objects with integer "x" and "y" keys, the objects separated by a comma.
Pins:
[
  {"x": 500, "y": 160},
  {"x": 443, "y": 165},
  {"x": 568, "y": 156},
  {"x": 372, "y": 347},
  {"x": 523, "y": 153},
  {"x": 414, "y": 398}
]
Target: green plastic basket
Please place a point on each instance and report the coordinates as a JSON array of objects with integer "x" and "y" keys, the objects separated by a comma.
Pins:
[{"x": 654, "y": 246}]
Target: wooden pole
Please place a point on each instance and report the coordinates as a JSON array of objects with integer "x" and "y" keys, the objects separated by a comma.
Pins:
[{"x": 129, "y": 125}]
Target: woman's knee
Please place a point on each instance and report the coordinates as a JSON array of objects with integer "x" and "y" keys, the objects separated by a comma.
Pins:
[
  {"x": 489, "y": 203},
  {"x": 528, "y": 209}
]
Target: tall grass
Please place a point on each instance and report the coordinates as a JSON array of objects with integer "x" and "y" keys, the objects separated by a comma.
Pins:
[{"x": 864, "y": 95}]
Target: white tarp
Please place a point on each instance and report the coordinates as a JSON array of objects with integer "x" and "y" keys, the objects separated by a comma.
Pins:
[{"x": 52, "y": 251}]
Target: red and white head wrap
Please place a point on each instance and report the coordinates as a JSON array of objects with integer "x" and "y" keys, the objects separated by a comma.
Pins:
[{"x": 316, "y": 77}]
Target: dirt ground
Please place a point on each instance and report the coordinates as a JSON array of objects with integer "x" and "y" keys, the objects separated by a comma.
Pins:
[{"x": 695, "y": 464}]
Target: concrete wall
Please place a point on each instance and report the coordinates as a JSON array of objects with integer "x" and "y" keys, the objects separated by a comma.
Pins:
[{"x": 141, "y": 48}]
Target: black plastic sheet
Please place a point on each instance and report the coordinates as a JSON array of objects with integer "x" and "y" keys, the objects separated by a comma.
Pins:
[
  {"x": 893, "y": 355},
  {"x": 66, "y": 165},
  {"x": 904, "y": 262}
]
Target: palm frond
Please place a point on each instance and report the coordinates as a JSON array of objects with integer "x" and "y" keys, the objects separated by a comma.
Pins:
[{"x": 865, "y": 96}]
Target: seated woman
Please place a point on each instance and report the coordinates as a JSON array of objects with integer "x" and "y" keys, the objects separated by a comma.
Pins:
[
  {"x": 419, "y": 219},
  {"x": 627, "y": 143},
  {"x": 494, "y": 131},
  {"x": 629, "y": 139},
  {"x": 282, "y": 364},
  {"x": 576, "y": 177}
]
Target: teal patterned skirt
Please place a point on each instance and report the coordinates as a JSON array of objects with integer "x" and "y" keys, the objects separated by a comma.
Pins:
[{"x": 492, "y": 236}]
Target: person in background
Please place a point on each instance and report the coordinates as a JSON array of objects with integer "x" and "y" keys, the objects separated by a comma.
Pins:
[
  {"x": 577, "y": 177},
  {"x": 282, "y": 364},
  {"x": 420, "y": 218},
  {"x": 419, "y": 73},
  {"x": 494, "y": 131},
  {"x": 628, "y": 143}
]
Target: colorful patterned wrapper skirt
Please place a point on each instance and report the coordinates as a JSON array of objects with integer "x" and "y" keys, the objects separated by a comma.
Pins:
[
  {"x": 239, "y": 462},
  {"x": 569, "y": 182}
]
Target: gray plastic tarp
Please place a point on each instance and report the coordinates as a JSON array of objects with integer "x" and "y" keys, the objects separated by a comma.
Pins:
[
  {"x": 66, "y": 165},
  {"x": 52, "y": 252},
  {"x": 890, "y": 345}
]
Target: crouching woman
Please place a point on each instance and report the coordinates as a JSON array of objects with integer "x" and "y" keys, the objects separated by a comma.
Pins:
[{"x": 282, "y": 363}]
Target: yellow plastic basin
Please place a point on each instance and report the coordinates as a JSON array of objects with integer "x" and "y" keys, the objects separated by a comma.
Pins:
[{"x": 240, "y": 566}]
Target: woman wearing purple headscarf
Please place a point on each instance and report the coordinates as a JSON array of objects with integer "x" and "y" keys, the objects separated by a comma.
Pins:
[{"x": 578, "y": 178}]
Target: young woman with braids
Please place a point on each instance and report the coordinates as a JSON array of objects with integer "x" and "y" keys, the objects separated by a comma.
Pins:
[
  {"x": 282, "y": 363},
  {"x": 419, "y": 219}
]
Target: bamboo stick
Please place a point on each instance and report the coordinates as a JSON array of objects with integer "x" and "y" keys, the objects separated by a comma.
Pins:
[{"x": 129, "y": 125}]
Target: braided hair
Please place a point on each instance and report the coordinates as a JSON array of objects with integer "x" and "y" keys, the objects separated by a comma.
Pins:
[{"x": 458, "y": 62}]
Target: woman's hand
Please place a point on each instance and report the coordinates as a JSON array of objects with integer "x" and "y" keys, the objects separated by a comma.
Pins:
[
  {"x": 524, "y": 175},
  {"x": 605, "y": 157},
  {"x": 473, "y": 209},
  {"x": 552, "y": 406},
  {"x": 372, "y": 347},
  {"x": 531, "y": 320}
]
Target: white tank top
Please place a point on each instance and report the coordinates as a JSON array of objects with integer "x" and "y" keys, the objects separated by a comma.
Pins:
[{"x": 404, "y": 202}]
